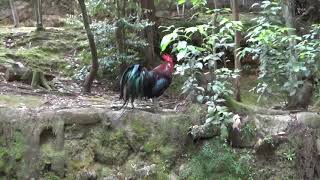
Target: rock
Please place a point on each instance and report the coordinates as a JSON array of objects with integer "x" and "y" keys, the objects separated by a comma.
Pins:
[
  {"x": 267, "y": 146},
  {"x": 111, "y": 177},
  {"x": 113, "y": 155},
  {"x": 318, "y": 146},
  {"x": 272, "y": 124},
  {"x": 303, "y": 96},
  {"x": 85, "y": 116},
  {"x": 182, "y": 168},
  {"x": 311, "y": 119},
  {"x": 203, "y": 131},
  {"x": 145, "y": 171},
  {"x": 88, "y": 174},
  {"x": 92, "y": 142},
  {"x": 173, "y": 176}
]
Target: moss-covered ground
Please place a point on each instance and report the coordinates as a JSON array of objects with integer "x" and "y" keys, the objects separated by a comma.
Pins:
[{"x": 50, "y": 51}]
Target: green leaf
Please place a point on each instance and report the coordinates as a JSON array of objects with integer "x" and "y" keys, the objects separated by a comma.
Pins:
[
  {"x": 167, "y": 39},
  {"x": 202, "y": 31},
  {"x": 224, "y": 132},
  {"x": 192, "y": 49},
  {"x": 200, "y": 98},
  {"x": 199, "y": 65},
  {"x": 211, "y": 110},
  {"x": 181, "y": 45},
  {"x": 223, "y": 21},
  {"x": 191, "y": 29},
  {"x": 296, "y": 68},
  {"x": 181, "y": 1},
  {"x": 200, "y": 88},
  {"x": 181, "y": 54}
]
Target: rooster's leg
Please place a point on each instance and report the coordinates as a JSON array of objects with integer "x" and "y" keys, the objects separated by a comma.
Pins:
[
  {"x": 132, "y": 100},
  {"x": 156, "y": 104}
]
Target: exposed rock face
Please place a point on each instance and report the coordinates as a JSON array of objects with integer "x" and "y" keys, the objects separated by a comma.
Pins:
[{"x": 93, "y": 143}]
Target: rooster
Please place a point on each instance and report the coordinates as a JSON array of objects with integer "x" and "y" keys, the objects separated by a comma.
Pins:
[{"x": 138, "y": 82}]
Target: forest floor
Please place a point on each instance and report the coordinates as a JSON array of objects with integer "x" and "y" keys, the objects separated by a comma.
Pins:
[
  {"x": 19, "y": 95},
  {"x": 56, "y": 50}
]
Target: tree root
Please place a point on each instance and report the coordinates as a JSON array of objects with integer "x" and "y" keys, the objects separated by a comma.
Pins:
[
  {"x": 38, "y": 79},
  {"x": 207, "y": 130},
  {"x": 34, "y": 77}
]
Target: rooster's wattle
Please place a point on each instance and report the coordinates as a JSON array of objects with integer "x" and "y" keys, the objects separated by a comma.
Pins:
[{"x": 138, "y": 82}]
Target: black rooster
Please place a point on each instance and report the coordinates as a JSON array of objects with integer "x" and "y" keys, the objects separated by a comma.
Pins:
[{"x": 138, "y": 82}]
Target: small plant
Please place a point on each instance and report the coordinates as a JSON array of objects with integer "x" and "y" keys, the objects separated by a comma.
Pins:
[
  {"x": 290, "y": 155},
  {"x": 218, "y": 161},
  {"x": 249, "y": 129}
]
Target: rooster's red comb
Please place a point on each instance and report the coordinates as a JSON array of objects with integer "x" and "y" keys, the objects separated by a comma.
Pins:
[{"x": 167, "y": 57}]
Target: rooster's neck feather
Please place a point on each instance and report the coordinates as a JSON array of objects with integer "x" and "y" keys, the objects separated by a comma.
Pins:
[{"x": 166, "y": 68}]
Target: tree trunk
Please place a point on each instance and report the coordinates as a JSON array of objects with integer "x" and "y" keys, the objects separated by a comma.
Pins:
[
  {"x": 302, "y": 98},
  {"x": 14, "y": 13},
  {"x": 217, "y": 4},
  {"x": 120, "y": 34},
  {"x": 288, "y": 9},
  {"x": 94, "y": 62},
  {"x": 37, "y": 10},
  {"x": 148, "y": 10},
  {"x": 213, "y": 69},
  {"x": 237, "y": 64}
]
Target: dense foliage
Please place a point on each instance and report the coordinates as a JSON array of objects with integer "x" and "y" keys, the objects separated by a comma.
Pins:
[
  {"x": 284, "y": 57},
  {"x": 195, "y": 60}
]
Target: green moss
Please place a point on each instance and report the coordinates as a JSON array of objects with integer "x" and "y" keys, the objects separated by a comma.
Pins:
[
  {"x": 3, "y": 156},
  {"x": 112, "y": 148},
  {"x": 141, "y": 131},
  {"x": 105, "y": 171},
  {"x": 42, "y": 50},
  {"x": 38, "y": 57},
  {"x": 159, "y": 175},
  {"x": 168, "y": 153},
  {"x": 81, "y": 161},
  {"x": 50, "y": 176},
  {"x": 11, "y": 155},
  {"x": 49, "y": 154},
  {"x": 17, "y": 147},
  {"x": 151, "y": 145},
  {"x": 168, "y": 142}
]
